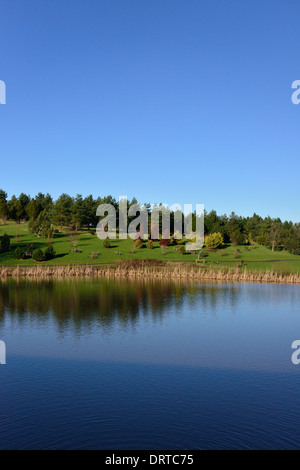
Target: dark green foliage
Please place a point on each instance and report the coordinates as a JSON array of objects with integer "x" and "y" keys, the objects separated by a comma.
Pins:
[
  {"x": 29, "y": 250},
  {"x": 41, "y": 226},
  {"x": 38, "y": 255},
  {"x": 237, "y": 237},
  {"x": 292, "y": 244},
  {"x": 62, "y": 210},
  {"x": 19, "y": 253},
  {"x": 3, "y": 206},
  {"x": 5, "y": 243},
  {"x": 49, "y": 253},
  {"x": 261, "y": 240},
  {"x": 78, "y": 212}
]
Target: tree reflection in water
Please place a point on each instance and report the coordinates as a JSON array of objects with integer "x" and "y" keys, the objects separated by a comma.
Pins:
[{"x": 83, "y": 302}]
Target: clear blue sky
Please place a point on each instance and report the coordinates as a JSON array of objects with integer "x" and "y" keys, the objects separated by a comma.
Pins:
[{"x": 166, "y": 100}]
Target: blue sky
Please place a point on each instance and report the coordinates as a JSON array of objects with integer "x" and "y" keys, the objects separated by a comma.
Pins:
[{"x": 167, "y": 101}]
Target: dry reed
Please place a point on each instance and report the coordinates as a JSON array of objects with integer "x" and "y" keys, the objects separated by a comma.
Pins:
[{"x": 150, "y": 269}]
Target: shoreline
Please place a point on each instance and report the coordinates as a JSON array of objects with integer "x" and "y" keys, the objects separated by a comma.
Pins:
[{"x": 144, "y": 270}]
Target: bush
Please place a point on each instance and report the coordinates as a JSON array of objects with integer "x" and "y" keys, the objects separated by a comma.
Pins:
[
  {"x": 29, "y": 250},
  {"x": 106, "y": 243},
  {"x": 182, "y": 249},
  {"x": 19, "y": 253},
  {"x": 5, "y": 243},
  {"x": 138, "y": 243},
  {"x": 38, "y": 255},
  {"x": 49, "y": 253},
  {"x": 214, "y": 240},
  {"x": 149, "y": 245}
]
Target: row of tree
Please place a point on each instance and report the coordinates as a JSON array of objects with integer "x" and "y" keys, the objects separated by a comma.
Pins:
[{"x": 43, "y": 212}]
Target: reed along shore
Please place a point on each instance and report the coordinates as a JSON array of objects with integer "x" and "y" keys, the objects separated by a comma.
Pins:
[{"x": 148, "y": 269}]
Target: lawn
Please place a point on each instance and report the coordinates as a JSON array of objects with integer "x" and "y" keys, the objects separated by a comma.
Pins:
[{"x": 257, "y": 257}]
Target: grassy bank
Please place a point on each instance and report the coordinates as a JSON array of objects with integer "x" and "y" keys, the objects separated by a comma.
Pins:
[
  {"x": 258, "y": 258},
  {"x": 149, "y": 269}
]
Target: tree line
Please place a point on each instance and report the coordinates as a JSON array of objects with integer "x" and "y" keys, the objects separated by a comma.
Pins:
[{"x": 42, "y": 212}]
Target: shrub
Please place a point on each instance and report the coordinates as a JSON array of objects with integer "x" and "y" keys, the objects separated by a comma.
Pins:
[
  {"x": 29, "y": 250},
  {"x": 5, "y": 243},
  {"x": 106, "y": 243},
  {"x": 19, "y": 253},
  {"x": 38, "y": 255},
  {"x": 214, "y": 240},
  {"x": 49, "y": 253},
  {"x": 138, "y": 243},
  {"x": 182, "y": 249},
  {"x": 149, "y": 245}
]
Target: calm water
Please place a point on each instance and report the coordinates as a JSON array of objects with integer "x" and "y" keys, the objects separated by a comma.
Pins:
[{"x": 149, "y": 365}]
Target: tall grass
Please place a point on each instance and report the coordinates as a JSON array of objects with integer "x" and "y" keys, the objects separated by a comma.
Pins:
[{"x": 151, "y": 269}]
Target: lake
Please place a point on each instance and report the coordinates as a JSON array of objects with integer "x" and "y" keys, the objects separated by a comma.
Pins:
[{"x": 115, "y": 365}]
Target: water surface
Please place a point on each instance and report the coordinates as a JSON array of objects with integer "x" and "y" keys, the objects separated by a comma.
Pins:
[{"x": 102, "y": 364}]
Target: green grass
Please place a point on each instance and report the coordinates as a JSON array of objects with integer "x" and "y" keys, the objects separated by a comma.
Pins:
[{"x": 258, "y": 258}]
